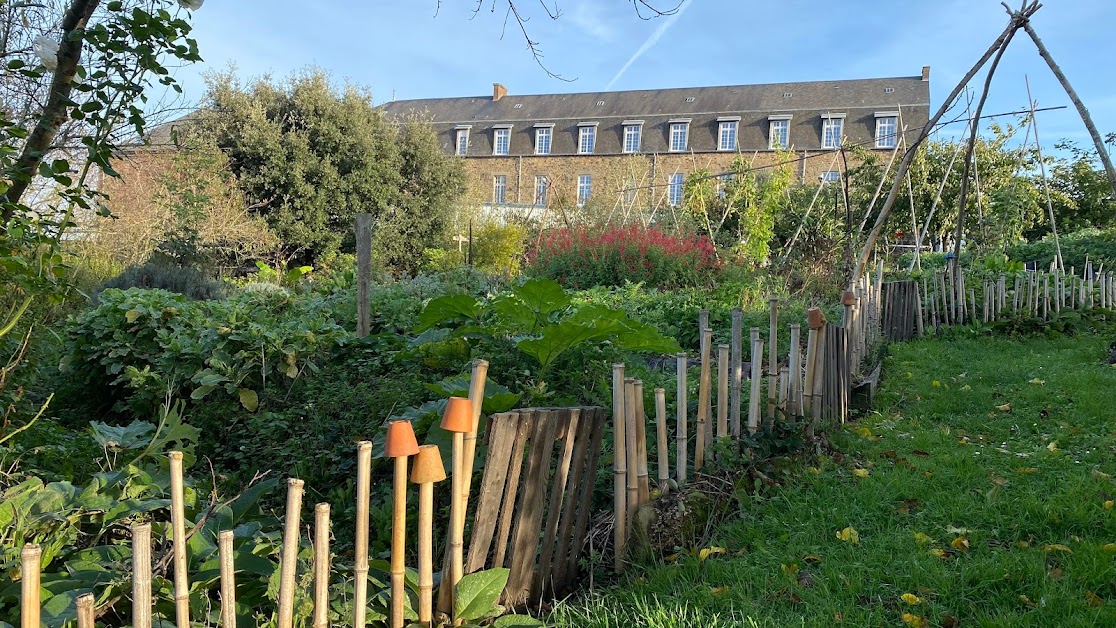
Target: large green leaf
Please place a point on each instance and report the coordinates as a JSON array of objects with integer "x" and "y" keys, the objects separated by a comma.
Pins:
[
  {"x": 517, "y": 621},
  {"x": 444, "y": 309},
  {"x": 477, "y": 594},
  {"x": 542, "y": 296}
]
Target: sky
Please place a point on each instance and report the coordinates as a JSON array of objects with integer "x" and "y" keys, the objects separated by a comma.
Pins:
[{"x": 422, "y": 49}]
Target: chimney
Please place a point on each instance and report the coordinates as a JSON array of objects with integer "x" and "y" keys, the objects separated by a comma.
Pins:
[
  {"x": 926, "y": 73},
  {"x": 498, "y": 91}
]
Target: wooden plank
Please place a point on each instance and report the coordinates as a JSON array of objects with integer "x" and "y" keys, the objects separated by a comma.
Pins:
[
  {"x": 587, "y": 419},
  {"x": 585, "y": 492},
  {"x": 525, "y": 424},
  {"x": 569, "y": 421},
  {"x": 737, "y": 374},
  {"x": 501, "y": 438},
  {"x": 525, "y": 544},
  {"x": 363, "y": 234}
]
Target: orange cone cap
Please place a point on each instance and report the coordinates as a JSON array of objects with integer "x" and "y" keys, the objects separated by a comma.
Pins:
[
  {"x": 427, "y": 466},
  {"x": 400, "y": 440},
  {"x": 458, "y": 416}
]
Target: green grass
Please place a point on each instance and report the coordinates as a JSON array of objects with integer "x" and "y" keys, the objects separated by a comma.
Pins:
[{"x": 945, "y": 462}]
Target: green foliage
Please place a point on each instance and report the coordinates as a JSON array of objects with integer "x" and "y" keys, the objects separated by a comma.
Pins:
[
  {"x": 1098, "y": 245},
  {"x": 313, "y": 157},
  {"x": 162, "y": 273},
  {"x": 497, "y": 250},
  {"x": 138, "y": 345}
]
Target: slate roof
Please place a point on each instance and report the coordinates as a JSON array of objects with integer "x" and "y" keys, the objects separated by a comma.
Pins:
[{"x": 859, "y": 99}]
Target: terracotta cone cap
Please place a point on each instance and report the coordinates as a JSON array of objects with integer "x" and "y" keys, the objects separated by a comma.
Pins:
[
  {"x": 848, "y": 298},
  {"x": 458, "y": 416},
  {"x": 400, "y": 440},
  {"x": 427, "y": 466},
  {"x": 815, "y": 319}
]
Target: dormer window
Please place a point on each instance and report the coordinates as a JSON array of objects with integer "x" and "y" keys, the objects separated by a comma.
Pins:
[
  {"x": 462, "y": 145},
  {"x": 832, "y": 126},
  {"x": 543, "y": 135},
  {"x": 887, "y": 127},
  {"x": 779, "y": 127},
  {"x": 679, "y": 134},
  {"x": 501, "y": 140},
  {"x": 632, "y": 131},
  {"x": 726, "y": 135},
  {"x": 586, "y": 137}
]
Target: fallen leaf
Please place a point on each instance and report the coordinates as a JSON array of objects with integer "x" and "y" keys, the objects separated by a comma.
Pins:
[
  {"x": 1100, "y": 475},
  {"x": 839, "y": 617},
  {"x": 920, "y": 453},
  {"x": 805, "y": 579},
  {"x": 939, "y": 552},
  {"x": 813, "y": 470},
  {"x": 949, "y": 621},
  {"x": 1108, "y": 504},
  {"x": 671, "y": 558},
  {"x": 1053, "y": 446},
  {"x": 928, "y": 474},
  {"x": 1026, "y": 470},
  {"x": 958, "y": 531},
  {"x": 1093, "y": 599},
  {"x": 790, "y": 569},
  {"x": 849, "y": 535},
  {"x": 1037, "y": 382},
  {"x": 1022, "y": 544},
  {"x": 999, "y": 481},
  {"x": 1056, "y": 547},
  {"x": 706, "y": 552},
  {"x": 936, "y": 384},
  {"x": 812, "y": 558},
  {"x": 1004, "y": 408},
  {"x": 960, "y": 543},
  {"x": 718, "y": 590},
  {"x": 966, "y": 388},
  {"x": 1109, "y": 548},
  {"x": 911, "y": 598},
  {"x": 1027, "y": 601},
  {"x": 863, "y": 431},
  {"x": 922, "y": 538},
  {"x": 913, "y": 620},
  {"x": 860, "y": 473}
]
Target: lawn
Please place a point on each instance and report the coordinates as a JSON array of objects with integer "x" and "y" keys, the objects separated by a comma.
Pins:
[{"x": 979, "y": 493}]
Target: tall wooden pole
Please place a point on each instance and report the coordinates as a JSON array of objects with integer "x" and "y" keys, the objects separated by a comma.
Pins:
[
  {"x": 360, "y": 562},
  {"x": 682, "y": 454},
  {"x": 663, "y": 465},
  {"x": 722, "y": 391},
  {"x": 772, "y": 355},
  {"x": 620, "y": 466},
  {"x": 321, "y": 566},
  {"x": 399, "y": 538},
  {"x": 30, "y": 587},
  {"x": 289, "y": 557},
  {"x": 178, "y": 527},
  {"x": 364, "y": 273},
  {"x": 141, "y": 576},
  {"x": 703, "y": 401},
  {"x": 228, "y": 579},
  {"x": 85, "y": 616},
  {"x": 737, "y": 370}
]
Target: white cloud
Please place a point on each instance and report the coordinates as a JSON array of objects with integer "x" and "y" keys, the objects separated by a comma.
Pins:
[
  {"x": 588, "y": 17},
  {"x": 651, "y": 41}
]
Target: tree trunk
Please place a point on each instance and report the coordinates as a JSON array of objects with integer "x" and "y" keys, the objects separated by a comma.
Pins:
[{"x": 55, "y": 112}]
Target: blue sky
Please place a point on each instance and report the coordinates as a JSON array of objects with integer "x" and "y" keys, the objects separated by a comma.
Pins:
[{"x": 403, "y": 49}]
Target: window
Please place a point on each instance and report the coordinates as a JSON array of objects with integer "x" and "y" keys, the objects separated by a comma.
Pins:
[
  {"x": 689, "y": 99},
  {"x": 542, "y": 186},
  {"x": 780, "y": 129},
  {"x": 501, "y": 138},
  {"x": 584, "y": 189},
  {"x": 631, "y": 138},
  {"x": 886, "y": 136},
  {"x": 674, "y": 191},
  {"x": 586, "y": 139},
  {"x": 831, "y": 132},
  {"x": 830, "y": 176},
  {"x": 499, "y": 188},
  {"x": 727, "y": 135},
  {"x": 542, "y": 140},
  {"x": 462, "y": 141},
  {"x": 678, "y": 136},
  {"x": 889, "y": 90}
]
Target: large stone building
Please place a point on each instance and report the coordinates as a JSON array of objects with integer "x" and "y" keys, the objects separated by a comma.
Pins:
[{"x": 636, "y": 147}]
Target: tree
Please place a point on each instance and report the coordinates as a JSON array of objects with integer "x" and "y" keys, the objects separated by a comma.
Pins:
[
  {"x": 310, "y": 157},
  {"x": 1082, "y": 196}
]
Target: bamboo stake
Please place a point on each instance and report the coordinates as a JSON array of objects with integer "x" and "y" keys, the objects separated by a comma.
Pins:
[
  {"x": 360, "y": 564},
  {"x": 737, "y": 371},
  {"x": 476, "y": 398},
  {"x": 398, "y": 537},
  {"x": 772, "y": 355},
  {"x": 228, "y": 578},
  {"x": 703, "y": 324},
  {"x": 808, "y": 388},
  {"x": 85, "y": 616},
  {"x": 321, "y": 566},
  {"x": 918, "y": 305},
  {"x": 784, "y": 389},
  {"x": 641, "y": 445},
  {"x": 754, "y": 391},
  {"x": 630, "y": 413},
  {"x": 703, "y": 400},
  {"x": 682, "y": 447},
  {"x": 619, "y": 461},
  {"x": 821, "y": 373},
  {"x": 30, "y": 587},
  {"x": 661, "y": 442},
  {"x": 178, "y": 525},
  {"x": 722, "y": 391},
  {"x": 141, "y": 575},
  {"x": 794, "y": 365},
  {"x": 289, "y": 558},
  {"x": 427, "y": 470}
]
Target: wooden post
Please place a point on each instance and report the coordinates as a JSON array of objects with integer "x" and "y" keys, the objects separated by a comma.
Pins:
[
  {"x": 737, "y": 371},
  {"x": 85, "y": 616},
  {"x": 178, "y": 527},
  {"x": 784, "y": 390},
  {"x": 682, "y": 455},
  {"x": 321, "y": 566},
  {"x": 631, "y": 412},
  {"x": 360, "y": 562},
  {"x": 29, "y": 588},
  {"x": 918, "y": 301},
  {"x": 703, "y": 400},
  {"x": 458, "y": 419},
  {"x": 364, "y": 273},
  {"x": 722, "y": 391},
  {"x": 663, "y": 465},
  {"x": 141, "y": 575},
  {"x": 821, "y": 373},
  {"x": 703, "y": 324},
  {"x": 772, "y": 355},
  {"x": 228, "y": 578},
  {"x": 754, "y": 391},
  {"x": 427, "y": 470},
  {"x": 619, "y": 458},
  {"x": 794, "y": 365},
  {"x": 289, "y": 557},
  {"x": 641, "y": 445},
  {"x": 401, "y": 444},
  {"x": 808, "y": 387}
]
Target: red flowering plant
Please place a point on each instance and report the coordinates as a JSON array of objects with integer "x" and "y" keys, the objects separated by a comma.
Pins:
[{"x": 579, "y": 259}]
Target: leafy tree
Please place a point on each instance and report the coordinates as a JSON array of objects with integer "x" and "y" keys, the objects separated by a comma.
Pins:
[
  {"x": 311, "y": 157},
  {"x": 1081, "y": 194}
]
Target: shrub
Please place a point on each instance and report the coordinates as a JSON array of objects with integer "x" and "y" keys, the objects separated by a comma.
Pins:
[
  {"x": 579, "y": 259},
  {"x": 159, "y": 273},
  {"x": 1098, "y": 245},
  {"x": 497, "y": 250}
]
